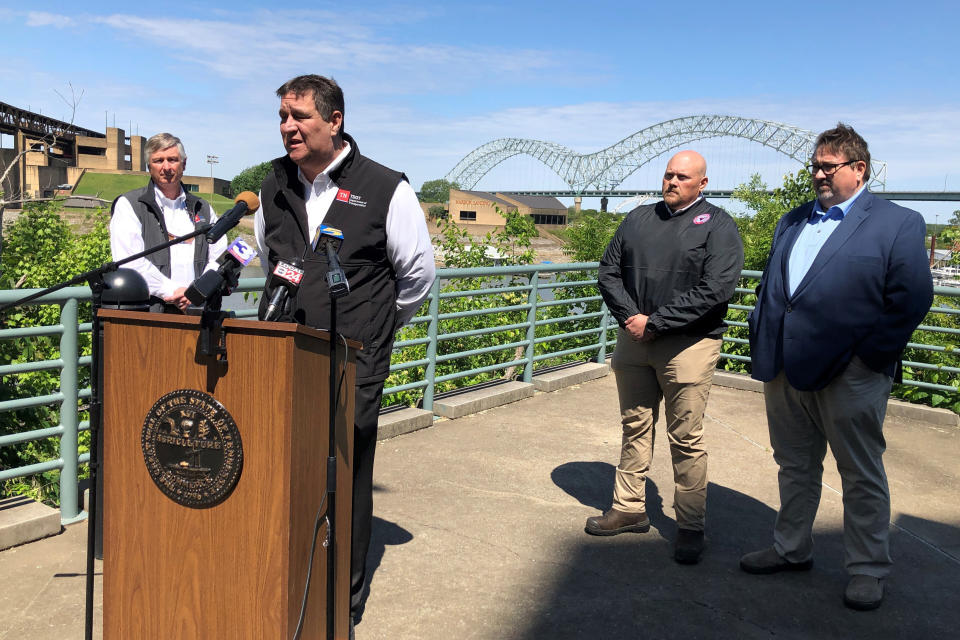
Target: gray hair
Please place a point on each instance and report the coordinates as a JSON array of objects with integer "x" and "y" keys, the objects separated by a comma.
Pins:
[{"x": 163, "y": 141}]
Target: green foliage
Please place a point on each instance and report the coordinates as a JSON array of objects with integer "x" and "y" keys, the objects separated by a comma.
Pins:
[
  {"x": 949, "y": 238},
  {"x": 949, "y": 357},
  {"x": 41, "y": 250},
  {"x": 437, "y": 212},
  {"x": 250, "y": 178},
  {"x": 757, "y": 229},
  {"x": 588, "y": 237},
  {"x": 436, "y": 190},
  {"x": 756, "y": 232},
  {"x": 508, "y": 246}
]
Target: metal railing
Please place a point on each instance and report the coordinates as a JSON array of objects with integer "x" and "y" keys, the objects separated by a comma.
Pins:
[{"x": 528, "y": 308}]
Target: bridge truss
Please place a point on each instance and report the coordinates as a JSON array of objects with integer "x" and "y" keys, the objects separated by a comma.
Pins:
[{"x": 604, "y": 170}]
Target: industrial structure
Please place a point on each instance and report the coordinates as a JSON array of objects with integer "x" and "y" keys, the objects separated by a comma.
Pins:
[{"x": 58, "y": 153}]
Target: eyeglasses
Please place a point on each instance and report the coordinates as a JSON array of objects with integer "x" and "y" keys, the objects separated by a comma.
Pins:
[{"x": 828, "y": 168}]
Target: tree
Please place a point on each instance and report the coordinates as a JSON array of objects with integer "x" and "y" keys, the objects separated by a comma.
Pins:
[
  {"x": 768, "y": 207},
  {"x": 437, "y": 212},
  {"x": 436, "y": 190},
  {"x": 588, "y": 237},
  {"x": 949, "y": 238},
  {"x": 954, "y": 220},
  {"x": 250, "y": 178}
]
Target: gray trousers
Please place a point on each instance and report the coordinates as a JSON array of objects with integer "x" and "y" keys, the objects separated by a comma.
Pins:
[{"x": 848, "y": 414}]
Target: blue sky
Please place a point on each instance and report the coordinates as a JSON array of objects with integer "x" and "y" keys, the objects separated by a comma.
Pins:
[{"x": 427, "y": 83}]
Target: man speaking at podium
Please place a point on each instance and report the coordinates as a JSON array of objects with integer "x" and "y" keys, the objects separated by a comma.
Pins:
[
  {"x": 154, "y": 214},
  {"x": 385, "y": 253}
]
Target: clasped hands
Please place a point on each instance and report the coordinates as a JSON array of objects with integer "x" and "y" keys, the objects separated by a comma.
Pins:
[{"x": 637, "y": 326}]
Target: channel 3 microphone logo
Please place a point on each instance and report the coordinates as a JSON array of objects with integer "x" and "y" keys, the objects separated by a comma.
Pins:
[{"x": 243, "y": 252}]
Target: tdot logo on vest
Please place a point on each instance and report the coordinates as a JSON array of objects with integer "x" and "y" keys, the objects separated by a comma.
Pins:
[
  {"x": 350, "y": 198},
  {"x": 700, "y": 219}
]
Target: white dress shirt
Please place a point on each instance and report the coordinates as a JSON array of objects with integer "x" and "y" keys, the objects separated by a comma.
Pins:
[
  {"x": 409, "y": 249},
  {"x": 126, "y": 239}
]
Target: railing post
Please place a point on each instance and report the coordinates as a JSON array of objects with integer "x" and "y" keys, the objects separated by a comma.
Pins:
[
  {"x": 70, "y": 354},
  {"x": 531, "y": 325},
  {"x": 432, "y": 331},
  {"x": 604, "y": 319}
]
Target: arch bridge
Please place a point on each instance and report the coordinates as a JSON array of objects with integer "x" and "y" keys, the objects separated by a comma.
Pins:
[{"x": 604, "y": 170}]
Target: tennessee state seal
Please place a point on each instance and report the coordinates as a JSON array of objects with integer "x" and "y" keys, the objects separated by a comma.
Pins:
[{"x": 192, "y": 448}]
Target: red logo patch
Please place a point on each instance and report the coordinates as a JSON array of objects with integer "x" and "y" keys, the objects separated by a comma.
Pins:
[
  {"x": 343, "y": 195},
  {"x": 700, "y": 219}
]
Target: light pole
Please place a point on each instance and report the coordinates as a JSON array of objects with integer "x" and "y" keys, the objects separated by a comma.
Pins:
[{"x": 212, "y": 160}]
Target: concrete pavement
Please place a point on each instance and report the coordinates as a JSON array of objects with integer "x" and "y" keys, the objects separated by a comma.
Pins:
[{"x": 479, "y": 535}]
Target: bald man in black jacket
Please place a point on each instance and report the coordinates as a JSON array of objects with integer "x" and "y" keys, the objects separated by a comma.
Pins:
[{"x": 666, "y": 277}]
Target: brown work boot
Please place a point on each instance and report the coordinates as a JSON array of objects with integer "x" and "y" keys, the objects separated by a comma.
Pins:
[{"x": 613, "y": 522}]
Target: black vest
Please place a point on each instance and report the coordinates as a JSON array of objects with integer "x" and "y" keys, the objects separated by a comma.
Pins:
[
  {"x": 148, "y": 212},
  {"x": 368, "y": 312}
]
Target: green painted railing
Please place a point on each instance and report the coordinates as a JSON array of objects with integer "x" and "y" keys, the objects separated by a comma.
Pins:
[{"x": 536, "y": 288}]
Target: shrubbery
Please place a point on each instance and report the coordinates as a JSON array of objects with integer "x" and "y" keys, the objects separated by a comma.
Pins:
[{"x": 40, "y": 250}]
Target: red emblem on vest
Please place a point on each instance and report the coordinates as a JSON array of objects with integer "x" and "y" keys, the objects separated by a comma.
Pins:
[
  {"x": 343, "y": 195},
  {"x": 700, "y": 219}
]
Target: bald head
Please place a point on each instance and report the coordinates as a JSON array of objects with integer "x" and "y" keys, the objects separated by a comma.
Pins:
[{"x": 684, "y": 179}]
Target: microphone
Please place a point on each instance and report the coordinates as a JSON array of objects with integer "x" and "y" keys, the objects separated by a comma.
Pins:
[
  {"x": 286, "y": 281},
  {"x": 210, "y": 283},
  {"x": 247, "y": 202},
  {"x": 331, "y": 239}
]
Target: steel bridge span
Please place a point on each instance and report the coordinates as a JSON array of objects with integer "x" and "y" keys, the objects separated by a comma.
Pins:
[
  {"x": 600, "y": 173},
  {"x": 907, "y": 196}
]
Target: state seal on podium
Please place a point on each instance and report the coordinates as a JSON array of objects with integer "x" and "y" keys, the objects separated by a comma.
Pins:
[{"x": 191, "y": 448}]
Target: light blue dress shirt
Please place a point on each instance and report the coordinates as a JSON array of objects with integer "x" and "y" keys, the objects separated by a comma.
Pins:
[{"x": 813, "y": 236}]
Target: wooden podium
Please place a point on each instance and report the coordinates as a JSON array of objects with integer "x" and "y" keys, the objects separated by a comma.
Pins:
[{"x": 238, "y": 568}]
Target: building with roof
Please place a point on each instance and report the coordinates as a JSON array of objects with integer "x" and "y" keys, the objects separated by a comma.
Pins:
[
  {"x": 58, "y": 153},
  {"x": 480, "y": 207}
]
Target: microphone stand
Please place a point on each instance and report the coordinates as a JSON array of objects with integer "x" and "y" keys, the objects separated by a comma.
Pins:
[
  {"x": 338, "y": 287},
  {"x": 94, "y": 278}
]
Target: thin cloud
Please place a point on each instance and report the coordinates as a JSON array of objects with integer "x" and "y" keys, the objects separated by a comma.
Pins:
[
  {"x": 267, "y": 46},
  {"x": 44, "y": 19}
]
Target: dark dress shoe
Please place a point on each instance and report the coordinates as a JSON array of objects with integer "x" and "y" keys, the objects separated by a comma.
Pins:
[
  {"x": 688, "y": 546},
  {"x": 768, "y": 561},
  {"x": 613, "y": 522},
  {"x": 863, "y": 593}
]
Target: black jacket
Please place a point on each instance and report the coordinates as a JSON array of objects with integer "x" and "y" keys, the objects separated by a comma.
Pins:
[
  {"x": 368, "y": 313},
  {"x": 680, "y": 270}
]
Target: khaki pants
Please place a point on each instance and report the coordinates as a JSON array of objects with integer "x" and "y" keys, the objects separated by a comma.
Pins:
[{"x": 678, "y": 369}]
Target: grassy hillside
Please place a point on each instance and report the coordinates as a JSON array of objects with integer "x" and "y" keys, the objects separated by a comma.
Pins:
[{"x": 109, "y": 185}]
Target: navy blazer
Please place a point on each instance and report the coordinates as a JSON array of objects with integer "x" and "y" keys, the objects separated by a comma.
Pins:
[{"x": 865, "y": 293}]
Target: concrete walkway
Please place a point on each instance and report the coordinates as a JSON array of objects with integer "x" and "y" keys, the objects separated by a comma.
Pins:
[{"x": 479, "y": 535}]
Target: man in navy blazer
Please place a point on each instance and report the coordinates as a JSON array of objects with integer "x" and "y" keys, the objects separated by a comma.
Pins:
[{"x": 846, "y": 283}]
